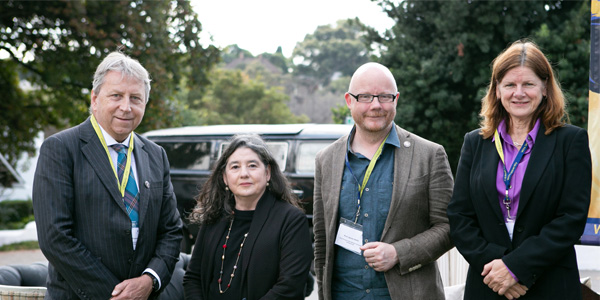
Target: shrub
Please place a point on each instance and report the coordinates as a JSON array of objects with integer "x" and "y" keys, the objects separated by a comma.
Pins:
[{"x": 15, "y": 214}]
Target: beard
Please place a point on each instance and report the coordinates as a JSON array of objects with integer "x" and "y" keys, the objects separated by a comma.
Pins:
[{"x": 374, "y": 121}]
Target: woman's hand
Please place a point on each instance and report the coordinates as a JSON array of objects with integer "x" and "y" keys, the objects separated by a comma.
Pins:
[
  {"x": 515, "y": 291},
  {"x": 497, "y": 277}
]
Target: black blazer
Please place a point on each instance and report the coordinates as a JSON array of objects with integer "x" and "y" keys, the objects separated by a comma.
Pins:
[
  {"x": 552, "y": 212},
  {"x": 83, "y": 228},
  {"x": 279, "y": 249}
]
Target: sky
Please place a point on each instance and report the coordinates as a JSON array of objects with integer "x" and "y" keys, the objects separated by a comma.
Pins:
[{"x": 262, "y": 25}]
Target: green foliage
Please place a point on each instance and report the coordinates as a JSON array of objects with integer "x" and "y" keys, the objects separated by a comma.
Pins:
[
  {"x": 340, "y": 113},
  {"x": 234, "y": 98},
  {"x": 440, "y": 53},
  {"x": 15, "y": 214},
  {"x": 568, "y": 49},
  {"x": 330, "y": 50},
  {"x": 27, "y": 245},
  {"x": 17, "y": 130},
  {"x": 233, "y": 52},
  {"x": 56, "y": 46},
  {"x": 278, "y": 60}
]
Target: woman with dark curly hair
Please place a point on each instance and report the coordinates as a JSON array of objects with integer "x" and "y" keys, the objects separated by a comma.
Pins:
[
  {"x": 254, "y": 240},
  {"x": 522, "y": 188}
]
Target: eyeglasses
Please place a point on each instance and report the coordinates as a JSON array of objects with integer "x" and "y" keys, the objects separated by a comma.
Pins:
[{"x": 366, "y": 98}]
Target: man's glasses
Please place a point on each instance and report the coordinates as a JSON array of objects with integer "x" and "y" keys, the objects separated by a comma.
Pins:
[{"x": 366, "y": 98}]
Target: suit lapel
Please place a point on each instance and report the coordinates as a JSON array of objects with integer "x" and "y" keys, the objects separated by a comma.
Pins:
[
  {"x": 539, "y": 158},
  {"x": 212, "y": 238},
  {"x": 489, "y": 168},
  {"x": 94, "y": 152},
  {"x": 261, "y": 214},
  {"x": 403, "y": 156},
  {"x": 331, "y": 203},
  {"x": 141, "y": 165}
]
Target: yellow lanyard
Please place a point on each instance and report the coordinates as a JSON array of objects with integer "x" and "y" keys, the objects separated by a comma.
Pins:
[
  {"x": 123, "y": 183},
  {"x": 498, "y": 144},
  {"x": 370, "y": 168}
]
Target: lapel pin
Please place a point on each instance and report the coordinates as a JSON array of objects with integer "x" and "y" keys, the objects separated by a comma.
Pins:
[
  {"x": 147, "y": 184},
  {"x": 406, "y": 144}
]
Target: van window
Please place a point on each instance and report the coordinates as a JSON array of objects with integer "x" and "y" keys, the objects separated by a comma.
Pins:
[
  {"x": 190, "y": 156},
  {"x": 307, "y": 151},
  {"x": 278, "y": 149}
]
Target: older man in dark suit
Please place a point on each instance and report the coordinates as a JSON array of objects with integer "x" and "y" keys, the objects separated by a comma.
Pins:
[
  {"x": 380, "y": 202},
  {"x": 104, "y": 205}
]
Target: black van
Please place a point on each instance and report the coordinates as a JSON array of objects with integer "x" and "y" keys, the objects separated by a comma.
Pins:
[{"x": 193, "y": 151}]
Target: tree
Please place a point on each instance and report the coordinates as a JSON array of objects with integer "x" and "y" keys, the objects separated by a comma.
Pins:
[
  {"x": 340, "y": 114},
  {"x": 440, "y": 53},
  {"x": 234, "y": 98},
  {"x": 55, "y": 46},
  {"x": 331, "y": 50},
  {"x": 233, "y": 52}
]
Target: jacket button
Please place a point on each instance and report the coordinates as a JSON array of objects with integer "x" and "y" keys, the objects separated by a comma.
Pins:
[{"x": 519, "y": 229}]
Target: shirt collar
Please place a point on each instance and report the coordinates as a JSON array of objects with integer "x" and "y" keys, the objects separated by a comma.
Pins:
[
  {"x": 531, "y": 136},
  {"x": 391, "y": 140},
  {"x": 110, "y": 140}
]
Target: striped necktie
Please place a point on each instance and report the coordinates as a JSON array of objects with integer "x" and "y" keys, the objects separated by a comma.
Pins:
[{"x": 131, "y": 198}]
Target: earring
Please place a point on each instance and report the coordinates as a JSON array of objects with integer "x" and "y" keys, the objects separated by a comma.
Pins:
[
  {"x": 267, "y": 183},
  {"x": 226, "y": 188}
]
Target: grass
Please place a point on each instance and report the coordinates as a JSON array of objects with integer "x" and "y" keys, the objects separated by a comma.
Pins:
[{"x": 27, "y": 245}]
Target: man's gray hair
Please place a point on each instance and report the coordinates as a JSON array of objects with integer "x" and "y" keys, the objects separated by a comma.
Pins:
[{"x": 127, "y": 66}]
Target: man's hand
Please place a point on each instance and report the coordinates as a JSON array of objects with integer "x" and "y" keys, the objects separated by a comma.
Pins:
[
  {"x": 497, "y": 277},
  {"x": 138, "y": 288},
  {"x": 380, "y": 256}
]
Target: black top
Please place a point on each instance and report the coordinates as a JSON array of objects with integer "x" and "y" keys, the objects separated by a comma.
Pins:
[
  {"x": 275, "y": 259},
  {"x": 241, "y": 226}
]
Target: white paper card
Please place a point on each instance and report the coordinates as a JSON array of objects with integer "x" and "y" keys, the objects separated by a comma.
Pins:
[
  {"x": 135, "y": 232},
  {"x": 349, "y": 237},
  {"x": 510, "y": 226}
]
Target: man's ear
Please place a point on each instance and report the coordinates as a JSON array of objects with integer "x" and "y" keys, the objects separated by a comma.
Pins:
[
  {"x": 94, "y": 100},
  {"x": 348, "y": 98}
]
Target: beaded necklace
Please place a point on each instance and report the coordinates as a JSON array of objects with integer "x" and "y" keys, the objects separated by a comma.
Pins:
[{"x": 236, "y": 260}]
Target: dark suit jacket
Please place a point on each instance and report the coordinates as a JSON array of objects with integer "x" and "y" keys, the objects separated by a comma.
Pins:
[
  {"x": 550, "y": 219},
  {"x": 416, "y": 225},
  {"x": 83, "y": 228},
  {"x": 276, "y": 256}
]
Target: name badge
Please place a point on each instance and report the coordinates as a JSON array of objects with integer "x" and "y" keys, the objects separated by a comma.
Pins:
[
  {"x": 349, "y": 236},
  {"x": 510, "y": 226},
  {"x": 135, "y": 232}
]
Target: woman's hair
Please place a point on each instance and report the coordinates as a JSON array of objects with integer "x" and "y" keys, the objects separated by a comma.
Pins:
[
  {"x": 551, "y": 110},
  {"x": 214, "y": 201}
]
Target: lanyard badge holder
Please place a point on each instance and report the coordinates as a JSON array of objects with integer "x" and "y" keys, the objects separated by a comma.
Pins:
[
  {"x": 350, "y": 234},
  {"x": 507, "y": 176}
]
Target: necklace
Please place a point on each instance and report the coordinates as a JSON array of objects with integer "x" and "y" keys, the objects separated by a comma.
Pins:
[
  {"x": 236, "y": 260},
  {"x": 517, "y": 144}
]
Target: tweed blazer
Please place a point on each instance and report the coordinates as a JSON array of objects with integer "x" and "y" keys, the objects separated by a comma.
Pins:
[
  {"x": 416, "y": 225},
  {"x": 83, "y": 227},
  {"x": 551, "y": 216}
]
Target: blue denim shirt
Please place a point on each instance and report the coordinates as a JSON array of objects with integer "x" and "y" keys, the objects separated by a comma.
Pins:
[{"x": 352, "y": 277}]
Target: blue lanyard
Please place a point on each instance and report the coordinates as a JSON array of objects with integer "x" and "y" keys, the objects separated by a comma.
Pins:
[
  {"x": 507, "y": 174},
  {"x": 370, "y": 168}
]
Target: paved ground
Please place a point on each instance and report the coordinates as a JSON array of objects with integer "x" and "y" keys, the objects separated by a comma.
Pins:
[
  {"x": 21, "y": 257},
  {"x": 31, "y": 256}
]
